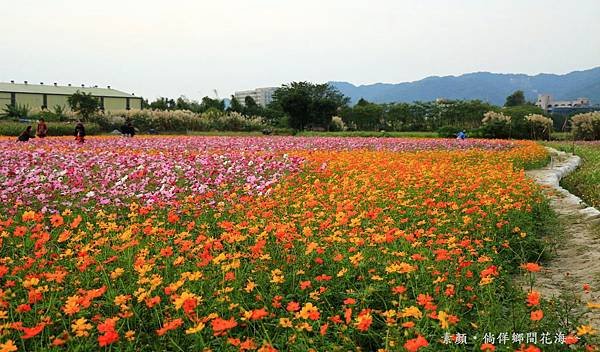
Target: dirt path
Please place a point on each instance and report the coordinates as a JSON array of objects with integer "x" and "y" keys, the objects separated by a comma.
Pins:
[{"x": 577, "y": 258}]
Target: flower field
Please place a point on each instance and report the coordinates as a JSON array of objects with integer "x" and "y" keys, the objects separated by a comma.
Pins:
[{"x": 272, "y": 243}]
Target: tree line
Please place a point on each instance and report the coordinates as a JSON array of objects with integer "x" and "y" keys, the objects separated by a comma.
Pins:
[{"x": 305, "y": 105}]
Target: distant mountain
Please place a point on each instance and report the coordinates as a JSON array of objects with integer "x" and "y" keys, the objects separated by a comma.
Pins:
[{"x": 486, "y": 86}]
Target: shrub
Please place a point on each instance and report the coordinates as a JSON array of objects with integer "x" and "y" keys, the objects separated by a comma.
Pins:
[
  {"x": 57, "y": 113},
  {"x": 337, "y": 124},
  {"x": 15, "y": 112},
  {"x": 180, "y": 121},
  {"x": 448, "y": 131},
  {"x": 495, "y": 125},
  {"x": 519, "y": 127},
  {"x": 540, "y": 126},
  {"x": 586, "y": 126}
]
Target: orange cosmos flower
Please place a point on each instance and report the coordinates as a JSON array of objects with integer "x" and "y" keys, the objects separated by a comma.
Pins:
[
  {"x": 220, "y": 326},
  {"x": 323, "y": 329},
  {"x": 533, "y": 298},
  {"x": 8, "y": 346},
  {"x": 293, "y": 307},
  {"x": 349, "y": 301},
  {"x": 258, "y": 314},
  {"x": 531, "y": 267},
  {"x": 56, "y": 220},
  {"x": 172, "y": 217},
  {"x": 537, "y": 315},
  {"x": 31, "y": 332},
  {"x": 151, "y": 302},
  {"x": 415, "y": 344},
  {"x": 76, "y": 222},
  {"x": 571, "y": 339},
  {"x": 364, "y": 320},
  {"x": 28, "y": 215},
  {"x": 20, "y": 231},
  {"x": 169, "y": 325},
  {"x": 309, "y": 311},
  {"x": 108, "y": 338},
  {"x": 488, "y": 347},
  {"x": 530, "y": 348}
]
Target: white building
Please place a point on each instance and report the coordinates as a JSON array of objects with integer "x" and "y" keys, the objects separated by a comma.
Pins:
[
  {"x": 546, "y": 102},
  {"x": 262, "y": 96}
]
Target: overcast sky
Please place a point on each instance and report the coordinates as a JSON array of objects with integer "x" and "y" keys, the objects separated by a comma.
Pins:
[{"x": 169, "y": 48}]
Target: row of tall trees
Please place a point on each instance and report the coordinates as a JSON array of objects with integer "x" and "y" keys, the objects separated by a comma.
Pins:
[
  {"x": 417, "y": 116},
  {"x": 183, "y": 103}
]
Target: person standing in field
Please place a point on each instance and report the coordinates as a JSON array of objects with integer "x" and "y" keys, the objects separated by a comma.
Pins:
[
  {"x": 25, "y": 135},
  {"x": 42, "y": 129},
  {"x": 130, "y": 129},
  {"x": 79, "y": 132},
  {"x": 127, "y": 130}
]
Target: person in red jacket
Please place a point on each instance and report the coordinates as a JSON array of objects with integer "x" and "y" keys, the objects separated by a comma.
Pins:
[
  {"x": 79, "y": 132},
  {"x": 42, "y": 129}
]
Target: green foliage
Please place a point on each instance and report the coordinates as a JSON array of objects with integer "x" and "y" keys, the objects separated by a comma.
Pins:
[
  {"x": 417, "y": 116},
  {"x": 163, "y": 104},
  {"x": 308, "y": 104},
  {"x": 57, "y": 113},
  {"x": 54, "y": 128},
  {"x": 183, "y": 103},
  {"x": 448, "y": 131},
  {"x": 520, "y": 128},
  {"x": 515, "y": 99},
  {"x": 209, "y": 103},
  {"x": 364, "y": 116},
  {"x": 235, "y": 105},
  {"x": 585, "y": 180},
  {"x": 495, "y": 129},
  {"x": 84, "y": 104},
  {"x": 15, "y": 112}
]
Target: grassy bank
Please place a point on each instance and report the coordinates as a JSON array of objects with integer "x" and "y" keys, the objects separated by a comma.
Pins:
[{"x": 585, "y": 182}]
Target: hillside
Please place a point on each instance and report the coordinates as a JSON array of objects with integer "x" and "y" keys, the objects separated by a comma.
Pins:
[{"x": 491, "y": 87}]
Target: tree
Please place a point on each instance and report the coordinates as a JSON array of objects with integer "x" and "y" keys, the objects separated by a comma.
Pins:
[
  {"x": 309, "y": 104},
  {"x": 519, "y": 126},
  {"x": 364, "y": 116},
  {"x": 183, "y": 103},
  {"x": 251, "y": 108},
  {"x": 208, "y": 103},
  {"x": 235, "y": 105},
  {"x": 84, "y": 104},
  {"x": 515, "y": 99},
  {"x": 163, "y": 104}
]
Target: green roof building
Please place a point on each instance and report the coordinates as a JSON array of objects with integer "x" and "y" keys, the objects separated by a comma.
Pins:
[{"x": 42, "y": 96}]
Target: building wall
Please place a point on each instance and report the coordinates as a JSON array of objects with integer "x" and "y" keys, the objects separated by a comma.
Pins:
[
  {"x": 54, "y": 100},
  {"x": 4, "y": 100},
  {"x": 135, "y": 104},
  {"x": 34, "y": 101},
  {"x": 115, "y": 103},
  {"x": 262, "y": 96}
]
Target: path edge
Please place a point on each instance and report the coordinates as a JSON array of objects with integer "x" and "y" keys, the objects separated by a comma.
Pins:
[{"x": 554, "y": 172}]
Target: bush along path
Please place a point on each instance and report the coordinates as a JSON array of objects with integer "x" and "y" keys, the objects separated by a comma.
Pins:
[{"x": 574, "y": 270}]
